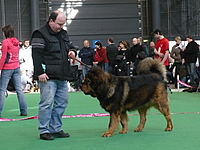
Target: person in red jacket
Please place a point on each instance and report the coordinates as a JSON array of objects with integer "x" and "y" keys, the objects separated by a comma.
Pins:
[
  {"x": 10, "y": 69},
  {"x": 100, "y": 57}
]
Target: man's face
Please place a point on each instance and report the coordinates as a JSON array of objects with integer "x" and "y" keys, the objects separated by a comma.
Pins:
[
  {"x": 58, "y": 24},
  {"x": 134, "y": 41},
  {"x": 139, "y": 41},
  {"x": 157, "y": 36},
  {"x": 86, "y": 44},
  {"x": 26, "y": 43},
  {"x": 188, "y": 39}
]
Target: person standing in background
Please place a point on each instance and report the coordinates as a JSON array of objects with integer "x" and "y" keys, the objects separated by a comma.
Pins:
[
  {"x": 102, "y": 61},
  {"x": 136, "y": 54},
  {"x": 25, "y": 58},
  {"x": 51, "y": 52},
  {"x": 111, "y": 51},
  {"x": 10, "y": 69},
  {"x": 161, "y": 48},
  {"x": 86, "y": 54},
  {"x": 190, "y": 55},
  {"x": 176, "y": 51},
  {"x": 145, "y": 48},
  {"x": 26, "y": 65},
  {"x": 151, "y": 49},
  {"x": 122, "y": 63}
]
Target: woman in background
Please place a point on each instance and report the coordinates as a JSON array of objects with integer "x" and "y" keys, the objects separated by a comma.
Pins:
[
  {"x": 176, "y": 53},
  {"x": 10, "y": 69},
  {"x": 100, "y": 57},
  {"x": 122, "y": 65}
]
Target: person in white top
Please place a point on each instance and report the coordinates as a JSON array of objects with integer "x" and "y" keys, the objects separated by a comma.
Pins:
[{"x": 26, "y": 65}]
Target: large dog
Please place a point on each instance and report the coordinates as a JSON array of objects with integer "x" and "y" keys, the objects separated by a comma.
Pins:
[{"x": 119, "y": 94}]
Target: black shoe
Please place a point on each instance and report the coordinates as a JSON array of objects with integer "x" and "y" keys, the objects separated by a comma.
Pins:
[
  {"x": 60, "y": 134},
  {"x": 23, "y": 114},
  {"x": 46, "y": 136}
]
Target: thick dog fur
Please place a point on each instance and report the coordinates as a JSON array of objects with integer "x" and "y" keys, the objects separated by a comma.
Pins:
[{"x": 117, "y": 95}]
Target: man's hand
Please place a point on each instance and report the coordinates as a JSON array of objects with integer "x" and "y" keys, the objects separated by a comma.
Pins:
[
  {"x": 71, "y": 54},
  {"x": 161, "y": 55},
  {"x": 95, "y": 63},
  {"x": 43, "y": 78}
]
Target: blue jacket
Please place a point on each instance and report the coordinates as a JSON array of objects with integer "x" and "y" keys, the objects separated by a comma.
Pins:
[{"x": 86, "y": 54}]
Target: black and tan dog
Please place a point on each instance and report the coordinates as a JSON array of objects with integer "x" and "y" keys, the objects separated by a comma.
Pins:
[{"x": 117, "y": 95}]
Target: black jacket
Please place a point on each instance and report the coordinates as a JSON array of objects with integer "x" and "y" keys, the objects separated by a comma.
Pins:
[
  {"x": 135, "y": 49},
  {"x": 50, "y": 53},
  {"x": 111, "y": 52},
  {"x": 191, "y": 52}
]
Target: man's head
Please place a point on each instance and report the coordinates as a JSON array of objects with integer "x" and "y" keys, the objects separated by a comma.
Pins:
[
  {"x": 135, "y": 41},
  {"x": 57, "y": 20},
  {"x": 86, "y": 43},
  {"x": 189, "y": 38},
  {"x": 139, "y": 40},
  {"x": 157, "y": 33},
  {"x": 110, "y": 40},
  {"x": 26, "y": 43}
]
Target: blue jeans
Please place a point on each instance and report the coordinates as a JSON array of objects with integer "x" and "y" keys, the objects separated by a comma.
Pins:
[
  {"x": 110, "y": 69},
  {"x": 106, "y": 67},
  {"x": 15, "y": 75},
  {"x": 53, "y": 101},
  {"x": 191, "y": 68},
  {"x": 85, "y": 70}
]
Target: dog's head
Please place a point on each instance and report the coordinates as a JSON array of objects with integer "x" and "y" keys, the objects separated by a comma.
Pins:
[{"x": 95, "y": 82}]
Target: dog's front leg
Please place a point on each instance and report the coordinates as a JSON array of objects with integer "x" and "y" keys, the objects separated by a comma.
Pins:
[{"x": 114, "y": 122}]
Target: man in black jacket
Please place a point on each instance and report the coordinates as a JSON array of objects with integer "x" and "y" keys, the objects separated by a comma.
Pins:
[
  {"x": 190, "y": 54},
  {"x": 136, "y": 54},
  {"x": 111, "y": 52},
  {"x": 50, "y": 52}
]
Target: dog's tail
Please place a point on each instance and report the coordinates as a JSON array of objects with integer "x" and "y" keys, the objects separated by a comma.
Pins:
[{"x": 149, "y": 65}]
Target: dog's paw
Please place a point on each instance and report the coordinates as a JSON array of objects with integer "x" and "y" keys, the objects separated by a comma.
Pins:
[
  {"x": 123, "y": 132},
  {"x": 168, "y": 129},
  {"x": 138, "y": 129},
  {"x": 106, "y": 134}
]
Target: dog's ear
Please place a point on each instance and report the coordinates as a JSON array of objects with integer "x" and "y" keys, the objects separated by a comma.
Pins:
[{"x": 99, "y": 75}]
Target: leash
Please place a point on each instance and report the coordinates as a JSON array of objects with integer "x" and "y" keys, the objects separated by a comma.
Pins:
[
  {"x": 82, "y": 63},
  {"x": 74, "y": 58}
]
